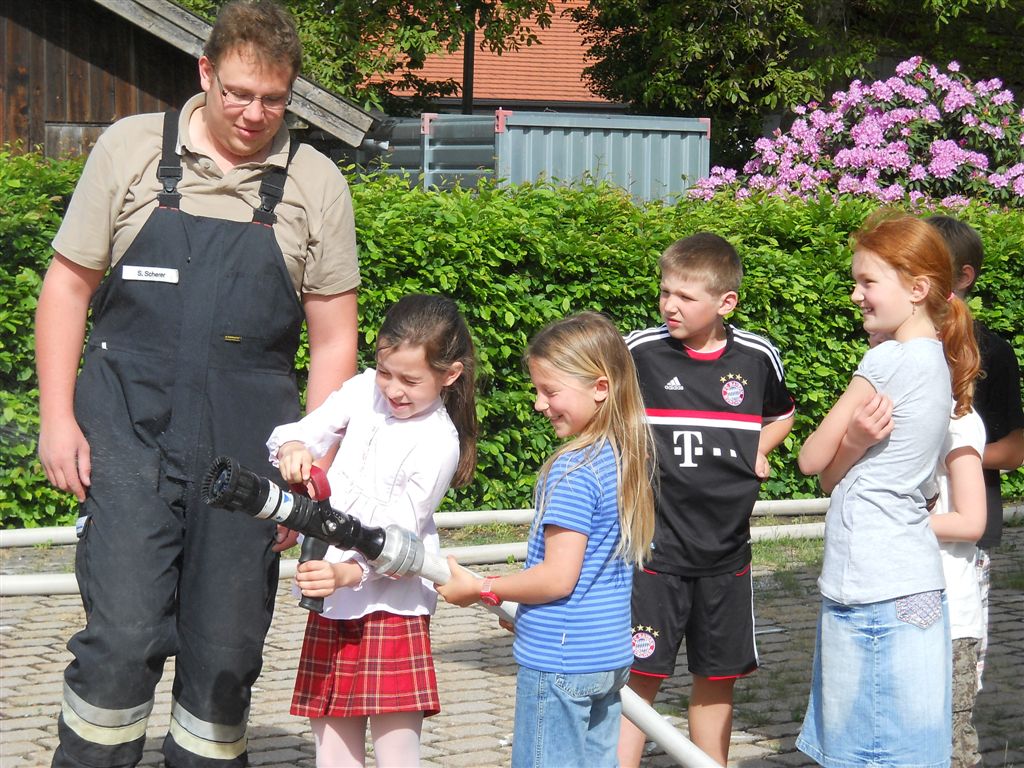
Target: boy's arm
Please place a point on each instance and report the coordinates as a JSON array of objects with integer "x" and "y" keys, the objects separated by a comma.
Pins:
[
  {"x": 1007, "y": 453},
  {"x": 967, "y": 505},
  {"x": 772, "y": 435}
]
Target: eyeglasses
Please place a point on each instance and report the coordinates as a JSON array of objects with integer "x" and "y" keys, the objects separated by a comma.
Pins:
[{"x": 242, "y": 100}]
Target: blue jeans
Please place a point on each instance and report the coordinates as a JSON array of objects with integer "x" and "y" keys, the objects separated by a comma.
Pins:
[
  {"x": 881, "y": 685},
  {"x": 565, "y": 720}
]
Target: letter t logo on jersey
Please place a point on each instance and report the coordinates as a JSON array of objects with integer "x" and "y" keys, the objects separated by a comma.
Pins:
[{"x": 690, "y": 446}]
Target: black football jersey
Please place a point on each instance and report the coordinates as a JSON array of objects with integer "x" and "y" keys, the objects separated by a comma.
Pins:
[{"x": 706, "y": 411}]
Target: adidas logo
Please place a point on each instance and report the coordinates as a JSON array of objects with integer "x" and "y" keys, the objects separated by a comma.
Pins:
[{"x": 674, "y": 383}]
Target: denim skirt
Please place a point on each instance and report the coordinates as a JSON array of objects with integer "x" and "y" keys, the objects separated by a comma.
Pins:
[{"x": 881, "y": 685}]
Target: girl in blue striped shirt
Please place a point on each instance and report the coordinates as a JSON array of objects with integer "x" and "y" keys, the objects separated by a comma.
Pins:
[{"x": 595, "y": 520}]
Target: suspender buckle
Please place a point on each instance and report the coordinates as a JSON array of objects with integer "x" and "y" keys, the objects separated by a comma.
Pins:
[
  {"x": 169, "y": 176},
  {"x": 270, "y": 194}
]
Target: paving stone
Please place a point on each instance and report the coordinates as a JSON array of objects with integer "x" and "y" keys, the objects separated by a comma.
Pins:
[{"x": 476, "y": 676}]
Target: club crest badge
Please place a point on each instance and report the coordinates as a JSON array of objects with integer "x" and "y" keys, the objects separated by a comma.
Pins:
[
  {"x": 644, "y": 641},
  {"x": 733, "y": 388}
]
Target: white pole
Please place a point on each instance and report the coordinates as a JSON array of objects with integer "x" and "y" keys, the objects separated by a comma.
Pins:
[{"x": 638, "y": 711}]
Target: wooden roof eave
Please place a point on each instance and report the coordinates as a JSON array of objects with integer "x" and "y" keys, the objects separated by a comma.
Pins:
[{"x": 188, "y": 33}]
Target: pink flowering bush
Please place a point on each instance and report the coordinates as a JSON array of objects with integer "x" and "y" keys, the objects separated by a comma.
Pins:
[{"x": 920, "y": 134}]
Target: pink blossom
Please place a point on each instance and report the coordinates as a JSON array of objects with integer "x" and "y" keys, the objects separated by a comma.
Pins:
[
  {"x": 953, "y": 66},
  {"x": 958, "y": 97},
  {"x": 998, "y": 180},
  {"x": 881, "y": 90},
  {"x": 849, "y": 184},
  {"x": 904, "y": 68},
  {"x": 946, "y": 158},
  {"x": 892, "y": 193},
  {"x": 912, "y": 93},
  {"x": 868, "y": 132},
  {"x": 992, "y": 130},
  {"x": 900, "y": 115},
  {"x": 890, "y": 140}
]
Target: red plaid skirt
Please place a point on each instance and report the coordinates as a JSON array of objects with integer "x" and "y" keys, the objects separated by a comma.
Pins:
[{"x": 377, "y": 664}]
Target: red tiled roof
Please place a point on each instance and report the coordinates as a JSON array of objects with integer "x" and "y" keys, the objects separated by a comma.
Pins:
[{"x": 550, "y": 71}]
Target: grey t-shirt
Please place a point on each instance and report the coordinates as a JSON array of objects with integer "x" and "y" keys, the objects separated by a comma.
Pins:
[{"x": 878, "y": 543}]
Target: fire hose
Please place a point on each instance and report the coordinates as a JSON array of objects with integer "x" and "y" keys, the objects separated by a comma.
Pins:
[{"x": 393, "y": 551}]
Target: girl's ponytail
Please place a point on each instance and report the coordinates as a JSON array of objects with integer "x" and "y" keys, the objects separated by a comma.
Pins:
[
  {"x": 961, "y": 349},
  {"x": 460, "y": 401}
]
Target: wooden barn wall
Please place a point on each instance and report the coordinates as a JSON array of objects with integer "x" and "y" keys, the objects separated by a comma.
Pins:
[{"x": 70, "y": 68}]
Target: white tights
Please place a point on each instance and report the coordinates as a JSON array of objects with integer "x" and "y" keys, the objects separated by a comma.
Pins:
[{"x": 341, "y": 741}]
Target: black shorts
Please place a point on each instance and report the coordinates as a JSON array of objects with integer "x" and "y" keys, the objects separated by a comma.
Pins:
[{"x": 715, "y": 614}]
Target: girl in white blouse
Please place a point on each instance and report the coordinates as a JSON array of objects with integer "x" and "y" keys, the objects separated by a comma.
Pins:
[{"x": 406, "y": 431}]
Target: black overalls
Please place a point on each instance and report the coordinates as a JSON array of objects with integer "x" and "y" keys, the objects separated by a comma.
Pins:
[{"x": 191, "y": 355}]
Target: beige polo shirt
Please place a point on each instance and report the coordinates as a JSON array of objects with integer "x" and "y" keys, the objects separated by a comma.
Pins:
[{"x": 118, "y": 189}]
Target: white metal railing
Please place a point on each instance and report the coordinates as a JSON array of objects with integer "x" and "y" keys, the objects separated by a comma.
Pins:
[
  {"x": 28, "y": 537},
  {"x": 65, "y": 583}
]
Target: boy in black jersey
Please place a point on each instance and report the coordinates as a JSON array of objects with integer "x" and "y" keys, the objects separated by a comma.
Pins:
[
  {"x": 997, "y": 396},
  {"x": 717, "y": 405},
  {"x": 997, "y": 401}
]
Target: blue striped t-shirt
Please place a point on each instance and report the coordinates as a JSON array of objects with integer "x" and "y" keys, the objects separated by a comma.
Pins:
[{"x": 589, "y": 630}]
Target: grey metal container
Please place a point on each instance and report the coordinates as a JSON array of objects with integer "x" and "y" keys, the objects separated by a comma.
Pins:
[{"x": 654, "y": 158}]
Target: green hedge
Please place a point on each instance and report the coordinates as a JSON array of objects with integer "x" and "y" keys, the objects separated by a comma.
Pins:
[
  {"x": 33, "y": 194},
  {"x": 514, "y": 259}
]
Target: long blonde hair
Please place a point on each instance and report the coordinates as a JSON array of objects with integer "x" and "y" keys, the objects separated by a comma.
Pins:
[{"x": 587, "y": 346}]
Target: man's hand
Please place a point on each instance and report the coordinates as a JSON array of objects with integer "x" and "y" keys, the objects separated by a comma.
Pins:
[
  {"x": 65, "y": 456},
  {"x": 284, "y": 538}
]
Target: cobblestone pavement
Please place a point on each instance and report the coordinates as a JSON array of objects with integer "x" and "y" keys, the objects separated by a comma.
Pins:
[{"x": 476, "y": 677}]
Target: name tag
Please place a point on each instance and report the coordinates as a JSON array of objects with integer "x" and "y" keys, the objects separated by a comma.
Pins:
[{"x": 151, "y": 274}]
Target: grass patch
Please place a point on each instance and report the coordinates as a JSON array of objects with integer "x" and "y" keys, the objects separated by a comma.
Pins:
[
  {"x": 783, "y": 554},
  {"x": 475, "y": 535},
  {"x": 758, "y": 521}
]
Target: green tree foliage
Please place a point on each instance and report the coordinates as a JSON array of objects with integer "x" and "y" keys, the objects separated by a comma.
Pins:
[
  {"x": 738, "y": 60},
  {"x": 365, "y": 51},
  {"x": 514, "y": 259}
]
